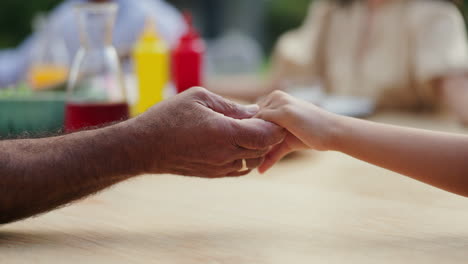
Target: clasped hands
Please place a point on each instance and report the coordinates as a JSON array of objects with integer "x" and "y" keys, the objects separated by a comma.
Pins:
[{"x": 199, "y": 133}]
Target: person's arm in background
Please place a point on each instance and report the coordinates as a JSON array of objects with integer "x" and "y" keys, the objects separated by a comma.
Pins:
[
  {"x": 438, "y": 159},
  {"x": 441, "y": 54},
  {"x": 194, "y": 134},
  {"x": 14, "y": 63}
]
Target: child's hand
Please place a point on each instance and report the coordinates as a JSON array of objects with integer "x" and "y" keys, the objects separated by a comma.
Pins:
[{"x": 309, "y": 126}]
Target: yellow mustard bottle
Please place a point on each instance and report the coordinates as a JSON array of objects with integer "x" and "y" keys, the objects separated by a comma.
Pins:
[{"x": 151, "y": 57}]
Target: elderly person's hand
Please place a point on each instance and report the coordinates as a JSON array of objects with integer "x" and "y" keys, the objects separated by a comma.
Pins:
[{"x": 198, "y": 133}]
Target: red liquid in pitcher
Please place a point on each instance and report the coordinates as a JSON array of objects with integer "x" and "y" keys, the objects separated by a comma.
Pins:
[{"x": 82, "y": 115}]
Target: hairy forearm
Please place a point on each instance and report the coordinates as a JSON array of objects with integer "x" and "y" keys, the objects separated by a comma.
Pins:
[
  {"x": 438, "y": 159},
  {"x": 38, "y": 175}
]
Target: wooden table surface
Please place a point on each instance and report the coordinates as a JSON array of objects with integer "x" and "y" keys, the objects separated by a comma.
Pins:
[{"x": 312, "y": 208}]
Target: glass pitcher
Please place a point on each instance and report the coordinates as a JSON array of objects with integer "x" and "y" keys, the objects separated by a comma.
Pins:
[{"x": 96, "y": 92}]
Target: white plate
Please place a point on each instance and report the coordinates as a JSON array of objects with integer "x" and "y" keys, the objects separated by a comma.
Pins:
[
  {"x": 343, "y": 105},
  {"x": 311, "y": 94},
  {"x": 349, "y": 105}
]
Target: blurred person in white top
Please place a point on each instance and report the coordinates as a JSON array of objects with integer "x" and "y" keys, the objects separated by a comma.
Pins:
[
  {"x": 404, "y": 54},
  {"x": 131, "y": 18}
]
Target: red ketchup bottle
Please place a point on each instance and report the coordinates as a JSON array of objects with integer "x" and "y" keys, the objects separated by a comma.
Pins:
[{"x": 187, "y": 59}]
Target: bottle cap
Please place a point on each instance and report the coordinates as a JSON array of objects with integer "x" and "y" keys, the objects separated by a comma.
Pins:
[
  {"x": 149, "y": 32},
  {"x": 192, "y": 33}
]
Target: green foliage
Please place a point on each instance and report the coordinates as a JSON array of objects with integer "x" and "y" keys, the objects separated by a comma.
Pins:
[
  {"x": 16, "y": 17},
  {"x": 284, "y": 15}
]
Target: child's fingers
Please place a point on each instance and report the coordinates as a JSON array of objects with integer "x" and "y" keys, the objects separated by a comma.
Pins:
[
  {"x": 265, "y": 102},
  {"x": 275, "y": 155},
  {"x": 276, "y": 99},
  {"x": 271, "y": 115}
]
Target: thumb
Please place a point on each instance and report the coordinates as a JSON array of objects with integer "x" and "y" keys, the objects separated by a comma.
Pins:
[{"x": 257, "y": 134}]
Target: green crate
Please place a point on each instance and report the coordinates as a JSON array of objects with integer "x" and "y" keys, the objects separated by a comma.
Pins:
[{"x": 30, "y": 113}]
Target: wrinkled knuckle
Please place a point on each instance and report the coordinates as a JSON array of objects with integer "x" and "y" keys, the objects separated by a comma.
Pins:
[
  {"x": 212, "y": 126},
  {"x": 199, "y": 91},
  {"x": 236, "y": 130},
  {"x": 230, "y": 106}
]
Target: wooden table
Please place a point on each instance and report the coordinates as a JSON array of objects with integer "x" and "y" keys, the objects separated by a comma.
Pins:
[{"x": 312, "y": 208}]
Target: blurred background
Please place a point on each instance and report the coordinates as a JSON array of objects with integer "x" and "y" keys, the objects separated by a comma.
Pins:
[
  {"x": 239, "y": 37},
  {"x": 264, "y": 20}
]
